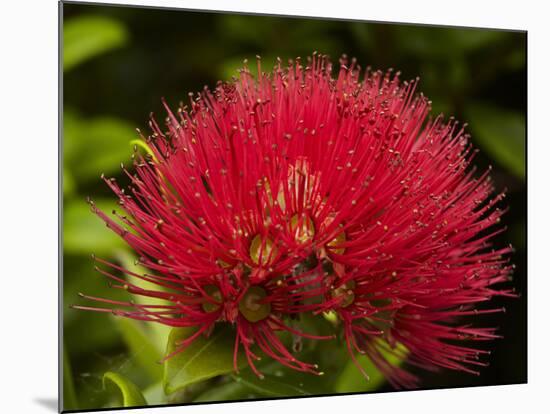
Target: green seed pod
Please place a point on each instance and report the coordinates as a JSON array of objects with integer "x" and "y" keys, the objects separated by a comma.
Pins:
[
  {"x": 302, "y": 228},
  {"x": 251, "y": 307},
  {"x": 346, "y": 294},
  {"x": 215, "y": 293},
  {"x": 265, "y": 246}
]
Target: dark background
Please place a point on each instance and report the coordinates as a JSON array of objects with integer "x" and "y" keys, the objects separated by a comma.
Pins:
[{"x": 477, "y": 75}]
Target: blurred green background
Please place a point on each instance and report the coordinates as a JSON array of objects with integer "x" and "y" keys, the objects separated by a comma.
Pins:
[{"x": 119, "y": 62}]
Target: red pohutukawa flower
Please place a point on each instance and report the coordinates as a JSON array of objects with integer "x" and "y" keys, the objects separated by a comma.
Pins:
[{"x": 295, "y": 193}]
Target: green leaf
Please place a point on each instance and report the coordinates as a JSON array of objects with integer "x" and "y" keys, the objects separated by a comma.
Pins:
[
  {"x": 100, "y": 333},
  {"x": 352, "y": 380},
  {"x": 95, "y": 146},
  {"x": 72, "y": 129},
  {"x": 330, "y": 355},
  {"x": 131, "y": 395},
  {"x": 84, "y": 232},
  {"x": 442, "y": 43},
  {"x": 142, "y": 349},
  {"x": 204, "y": 358},
  {"x": 155, "y": 394},
  {"x": 156, "y": 331},
  {"x": 69, "y": 185},
  {"x": 70, "y": 401},
  {"x": 227, "y": 392},
  {"x": 282, "y": 381},
  {"x": 474, "y": 39},
  {"x": 87, "y": 36},
  {"x": 272, "y": 385},
  {"x": 501, "y": 133}
]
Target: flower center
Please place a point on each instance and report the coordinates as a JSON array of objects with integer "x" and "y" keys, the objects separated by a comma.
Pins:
[
  {"x": 251, "y": 306},
  {"x": 334, "y": 244},
  {"x": 302, "y": 228},
  {"x": 214, "y": 293},
  {"x": 345, "y": 293},
  {"x": 262, "y": 250}
]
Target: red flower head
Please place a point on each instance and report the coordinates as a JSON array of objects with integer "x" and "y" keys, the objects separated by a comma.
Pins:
[{"x": 299, "y": 193}]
